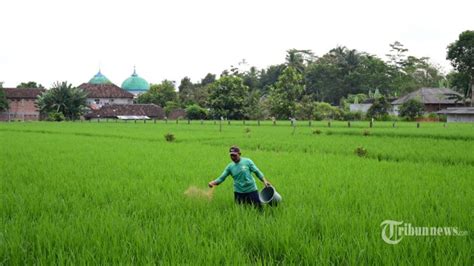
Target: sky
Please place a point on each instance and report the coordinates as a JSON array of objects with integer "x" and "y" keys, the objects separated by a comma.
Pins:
[{"x": 64, "y": 40}]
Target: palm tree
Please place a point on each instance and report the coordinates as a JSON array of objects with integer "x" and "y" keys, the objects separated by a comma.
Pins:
[{"x": 63, "y": 98}]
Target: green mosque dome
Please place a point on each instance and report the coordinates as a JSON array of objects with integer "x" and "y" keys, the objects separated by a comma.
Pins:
[
  {"x": 135, "y": 84},
  {"x": 99, "y": 78}
]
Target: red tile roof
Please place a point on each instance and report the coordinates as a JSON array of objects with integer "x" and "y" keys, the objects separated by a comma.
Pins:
[
  {"x": 114, "y": 110},
  {"x": 105, "y": 91},
  {"x": 14, "y": 93}
]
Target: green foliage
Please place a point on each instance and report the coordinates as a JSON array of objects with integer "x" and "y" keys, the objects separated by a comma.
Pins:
[
  {"x": 353, "y": 116},
  {"x": 195, "y": 112},
  {"x": 459, "y": 82},
  {"x": 227, "y": 97},
  {"x": 325, "y": 111},
  {"x": 208, "y": 79},
  {"x": 3, "y": 99},
  {"x": 379, "y": 109},
  {"x": 30, "y": 85},
  {"x": 255, "y": 106},
  {"x": 285, "y": 93},
  {"x": 361, "y": 152},
  {"x": 269, "y": 76},
  {"x": 159, "y": 94},
  {"x": 63, "y": 98},
  {"x": 55, "y": 116},
  {"x": 185, "y": 89},
  {"x": 461, "y": 54},
  {"x": 411, "y": 109},
  {"x": 305, "y": 109},
  {"x": 170, "y": 137},
  {"x": 170, "y": 106}
]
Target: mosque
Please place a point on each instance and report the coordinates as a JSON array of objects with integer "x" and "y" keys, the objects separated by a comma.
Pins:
[
  {"x": 101, "y": 91},
  {"x": 134, "y": 84},
  {"x": 107, "y": 100}
]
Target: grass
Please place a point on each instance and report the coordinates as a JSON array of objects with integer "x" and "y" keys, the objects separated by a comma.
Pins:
[{"x": 110, "y": 193}]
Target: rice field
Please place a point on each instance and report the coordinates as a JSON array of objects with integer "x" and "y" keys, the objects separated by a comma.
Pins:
[{"x": 119, "y": 193}]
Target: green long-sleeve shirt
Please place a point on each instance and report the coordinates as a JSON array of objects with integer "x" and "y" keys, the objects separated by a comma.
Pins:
[{"x": 242, "y": 174}]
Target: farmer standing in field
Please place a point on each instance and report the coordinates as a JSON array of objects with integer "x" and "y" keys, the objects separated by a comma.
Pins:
[{"x": 245, "y": 188}]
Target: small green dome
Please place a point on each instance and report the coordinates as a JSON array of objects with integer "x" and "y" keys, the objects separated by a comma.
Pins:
[
  {"x": 99, "y": 79},
  {"x": 135, "y": 84}
]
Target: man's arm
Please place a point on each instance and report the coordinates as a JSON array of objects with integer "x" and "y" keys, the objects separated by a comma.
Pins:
[
  {"x": 258, "y": 173},
  {"x": 221, "y": 178}
]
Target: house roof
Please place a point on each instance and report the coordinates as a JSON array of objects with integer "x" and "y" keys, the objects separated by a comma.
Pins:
[
  {"x": 15, "y": 93},
  {"x": 105, "y": 91},
  {"x": 457, "y": 110},
  {"x": 431, "y": 96},
  {"x": 114, "y": 110}
]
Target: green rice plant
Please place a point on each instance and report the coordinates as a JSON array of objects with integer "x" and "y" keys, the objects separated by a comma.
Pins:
[{"x": 114, "y": 193}]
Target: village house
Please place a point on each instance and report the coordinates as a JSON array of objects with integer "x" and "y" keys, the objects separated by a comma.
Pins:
[
  {"x": 22, "y": 104},
  {"x": 459, "y": 114},
  {"x": 433, "y": 99}
]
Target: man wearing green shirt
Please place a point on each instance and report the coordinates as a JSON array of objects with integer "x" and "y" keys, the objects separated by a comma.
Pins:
[{"x": 241, "y": 169}]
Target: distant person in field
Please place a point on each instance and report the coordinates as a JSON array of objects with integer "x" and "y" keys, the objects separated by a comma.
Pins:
[{"x": 241, "y": 169}]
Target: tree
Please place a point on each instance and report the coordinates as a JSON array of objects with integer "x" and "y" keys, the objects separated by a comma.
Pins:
[
  {"x": 195, "y": 112},
  {"x": 411, "y": 109},
  {"x": 379, "y": 108},
  {"x": 305, "y": 108},
  {"x": 208, "y": 79},
  {"x": 170, "y": 106},
  {"x": 3, "y": 99},
  {"x": 255, "y": 106},
  {"x": 324, "y": 110},
  {"x": 185, "y": 91},
  {"x": 461, "y": 54},
  {"x": 269, "y": 76},
  {"x": 252, "y": 78},
  {"x": 227, "y": 96},
  {"x": 63, "y": 98},
  {"x": 397, "y": 55},
  {"x": 458, "y": 81},
  {"x": 29, "y": 85},
  {"x": 159, "y": 94},
  {"x": 285, "y": 93},
  {"x": 298, "y": 59}
]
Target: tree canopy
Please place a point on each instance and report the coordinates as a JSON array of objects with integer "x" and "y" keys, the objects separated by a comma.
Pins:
[
  {"x": 63, "y": 98},
  {"x": 461, "y": 54}
]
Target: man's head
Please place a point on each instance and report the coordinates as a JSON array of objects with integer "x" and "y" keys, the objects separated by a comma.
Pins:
[{"x": 234, "y": 152}]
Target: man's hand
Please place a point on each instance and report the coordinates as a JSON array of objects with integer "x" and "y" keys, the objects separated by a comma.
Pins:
[
  {"x": 212, "y": 184},
  {"x": 267, "y": 184}
]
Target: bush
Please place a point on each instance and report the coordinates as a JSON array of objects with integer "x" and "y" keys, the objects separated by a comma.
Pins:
[
  {"x": 326, "y": 111},
  {"x": 317, "y": 131},
  {"x": 247, "y": 130},
  {"x": 196, "y": 112},
  {"x": 353, "y": 116},
  {"x": 411, "y": 109},
  {"x": 169, "y": 137},
  {"x": 379, "y": 109},
  {"x": 366, "y": 132},
  {"x": 361, "y": 152},
  {"x": 170, "y": 107},
  {"x": 55, "y": 116}
]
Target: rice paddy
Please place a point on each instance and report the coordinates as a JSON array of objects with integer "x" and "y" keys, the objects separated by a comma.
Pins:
[{"x": 120, "y": 193}]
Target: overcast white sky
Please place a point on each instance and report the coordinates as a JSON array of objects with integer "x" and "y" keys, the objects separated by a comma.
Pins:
[{"x": 56, "y": 40}]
